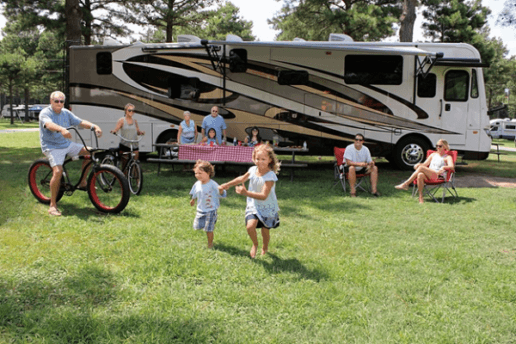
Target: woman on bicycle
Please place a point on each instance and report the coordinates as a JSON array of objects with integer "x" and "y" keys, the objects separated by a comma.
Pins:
[{"x": 130, "y": 130}]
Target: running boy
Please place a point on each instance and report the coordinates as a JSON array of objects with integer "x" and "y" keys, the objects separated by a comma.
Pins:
[{"x": 206, "y": 192}]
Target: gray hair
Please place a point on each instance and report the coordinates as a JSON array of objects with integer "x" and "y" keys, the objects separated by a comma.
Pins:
[
  {"x": 57, "y": 94},
  {"x": 187, "y": 113}
]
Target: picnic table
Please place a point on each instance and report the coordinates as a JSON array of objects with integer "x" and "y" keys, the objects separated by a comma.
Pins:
[
  {"x": 218, "y": 155},
  {"x": 497, "y": 152}
]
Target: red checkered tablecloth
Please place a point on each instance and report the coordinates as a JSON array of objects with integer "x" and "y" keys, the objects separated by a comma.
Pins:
[{"x": 217, "y": 153}]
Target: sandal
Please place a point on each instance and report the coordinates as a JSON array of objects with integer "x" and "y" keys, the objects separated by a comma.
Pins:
[
  {"x": 54, "y": 212},
  {"x": 353, "y": 194},
  {"x": 82, "y": 188},
  {"x": 376, "y": 194}
]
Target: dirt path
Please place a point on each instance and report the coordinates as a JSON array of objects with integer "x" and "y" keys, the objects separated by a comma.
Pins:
[{"x": 484, "y": 181}]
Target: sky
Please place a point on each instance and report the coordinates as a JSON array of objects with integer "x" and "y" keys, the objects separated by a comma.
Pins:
[{"x": 261, "y": 10}]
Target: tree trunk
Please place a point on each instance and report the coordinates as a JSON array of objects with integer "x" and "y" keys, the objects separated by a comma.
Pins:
[
  {"x": 169, "y": 32},
  {"x": 73, "y": 15},
  {"x": 407, "y": 20},
  {"x": 87, "y": 23},
  {"x": 27, "y": 95},
  {"x": 11, "y": 98}
]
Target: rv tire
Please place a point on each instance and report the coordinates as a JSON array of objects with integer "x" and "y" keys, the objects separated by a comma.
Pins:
[{"x": 410, "y": 151}]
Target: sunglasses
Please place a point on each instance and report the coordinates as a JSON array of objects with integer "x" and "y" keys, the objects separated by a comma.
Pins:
[
  {"x": 130, "y": 110},
  {"x": 214, "y": 111},
  {"x": 57, "y": 101},
  {"x": 438, "y": 146},
  {"x": 359, "y": 140}
]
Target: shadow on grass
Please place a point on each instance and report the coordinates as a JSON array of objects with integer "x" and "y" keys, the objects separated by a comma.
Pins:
[
  {"x": 278, "y": 265},
  {"x": 48, "y": 305},
  {"x": 89, "y": 211}
]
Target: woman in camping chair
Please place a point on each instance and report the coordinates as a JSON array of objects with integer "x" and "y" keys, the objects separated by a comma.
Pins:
[{"x": 435, "y": 167}]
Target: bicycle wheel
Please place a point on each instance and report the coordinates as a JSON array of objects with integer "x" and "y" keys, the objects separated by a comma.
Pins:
[
  {"x": 109, "y": 160},
  {"x": 108, "y": 197},
  {"x": 40, "y": 174},
  {"x": 135, "y": 177}
]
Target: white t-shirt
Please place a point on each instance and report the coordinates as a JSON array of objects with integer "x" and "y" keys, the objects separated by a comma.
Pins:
[
  {"x": 207, "y": 195},
  {"x": 362, "y": 155}
]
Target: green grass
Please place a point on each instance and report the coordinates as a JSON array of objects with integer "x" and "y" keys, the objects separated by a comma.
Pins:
[{"x": 340, "y": 270}]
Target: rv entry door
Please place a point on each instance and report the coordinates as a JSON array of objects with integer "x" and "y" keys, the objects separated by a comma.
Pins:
[{"x": 444, "y": 95}]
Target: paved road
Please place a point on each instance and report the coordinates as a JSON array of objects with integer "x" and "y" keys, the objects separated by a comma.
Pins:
[
  {"x": 506, "y": 147},
  {"x": 18, "y": 130}
]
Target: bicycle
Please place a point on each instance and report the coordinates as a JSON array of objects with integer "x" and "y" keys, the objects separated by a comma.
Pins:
[
  {"x": 132, "y": 169},
  {"x": 106, "y": 197}
]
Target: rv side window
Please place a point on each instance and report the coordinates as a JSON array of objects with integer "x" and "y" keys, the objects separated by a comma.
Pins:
[
  {"x": 474, "y": 84},
  {"x": 456, "y": 86},
  {"x": 293, "y": 77},
  {"x": 426, "y": 87},
  {"x": 180, "y": 87},
  {"x": 104, "y": 63},
  {"x": 238, "y": 60},
  {"x": 510, "y": 127},
  {"x": 373, "y": 69}
]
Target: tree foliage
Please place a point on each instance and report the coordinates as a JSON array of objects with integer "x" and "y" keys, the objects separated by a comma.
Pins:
[
  {"x": 221, "y": 22},
  {"x": 363, "y": 20},
  {"x": 167, "y": 15},
  {"x": 72, "y": 20},
  {"x": 508, "y": 15},
  {"x": 455, "y": 20}
]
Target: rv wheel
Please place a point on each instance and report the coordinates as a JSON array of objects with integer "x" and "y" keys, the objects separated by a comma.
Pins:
[{"x": 410, "y": 151}]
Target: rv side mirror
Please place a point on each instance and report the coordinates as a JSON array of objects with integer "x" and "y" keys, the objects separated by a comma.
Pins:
[
  {"x": 238, "y": 61},
  {"x": 293, "y": 77}
]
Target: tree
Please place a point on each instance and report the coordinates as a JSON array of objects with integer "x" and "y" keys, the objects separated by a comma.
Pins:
[
  {"x": 363, "y": 20},
  {"x": 11, "y": 64},
  {"x": 508, "y": 15},
  {"x": 407, "y": 20},
  {"x": 72, "y": 20},
  {"x": 500, "y": 75},
  {"x": 167, "y": 14},
  {"x": 41, "y": 71},
  {"x": 455, "y": 20},
  {"x": 221, "y": 22}
]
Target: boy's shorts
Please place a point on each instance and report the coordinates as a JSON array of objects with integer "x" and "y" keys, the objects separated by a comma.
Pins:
[
  {"x": 57, "y": 156},
  {"x": 205, "y": 220}
]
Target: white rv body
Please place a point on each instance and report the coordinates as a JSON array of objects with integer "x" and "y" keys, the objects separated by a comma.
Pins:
[
  {"x": 402, "y": 97},
  {"x": 503, "y": 128}
]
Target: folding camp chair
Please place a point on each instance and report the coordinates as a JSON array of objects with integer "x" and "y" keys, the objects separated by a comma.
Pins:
[
  {"x": 341, "y": 175},
  {"x": 433, "y": 185}
]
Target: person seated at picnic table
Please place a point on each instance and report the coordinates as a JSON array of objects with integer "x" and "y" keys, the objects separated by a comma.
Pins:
[
  {"x": 358, "y": 158},
  {"x": 187, "y": 132},
  {"x": 254, "y": 139},
  {"x": 212, "y": 138},
  {"x": 435, "y": 167},
  {"x": 214, "y": 120}
]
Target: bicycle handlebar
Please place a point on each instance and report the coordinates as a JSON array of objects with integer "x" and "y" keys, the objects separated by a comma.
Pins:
[
  {"x": 82, "y": 140},
  {"x": 130, "y": 141}
]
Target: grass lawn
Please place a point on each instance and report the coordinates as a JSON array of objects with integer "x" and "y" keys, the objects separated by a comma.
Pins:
[{"x": 340, "y": 270}]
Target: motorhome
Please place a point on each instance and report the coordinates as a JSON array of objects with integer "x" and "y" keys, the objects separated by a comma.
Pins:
[
  {"x": 402, "y": 97},
  {"x": 503, "y": 128}
]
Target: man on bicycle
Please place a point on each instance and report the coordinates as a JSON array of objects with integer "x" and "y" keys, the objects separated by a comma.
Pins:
[{"x": 56, "y": 144}]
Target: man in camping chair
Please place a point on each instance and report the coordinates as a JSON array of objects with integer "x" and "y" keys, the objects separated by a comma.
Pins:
[{"x": 358, "y": 160}]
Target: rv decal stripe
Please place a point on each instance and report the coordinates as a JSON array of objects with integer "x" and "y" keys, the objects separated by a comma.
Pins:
[{"x": 421, "y": 114}]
